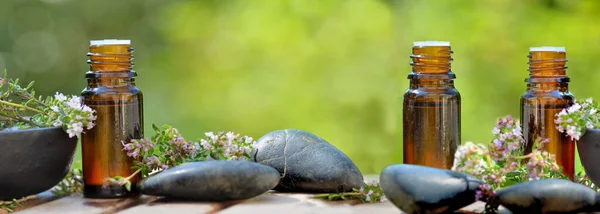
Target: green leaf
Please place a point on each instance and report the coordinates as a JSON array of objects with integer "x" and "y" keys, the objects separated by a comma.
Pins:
[
  {"x": 156, "y": 129},
  {"x": 128, "y": 186},
  {"x": 513, "y": 174},
  {"x": 30, "y": 85}
]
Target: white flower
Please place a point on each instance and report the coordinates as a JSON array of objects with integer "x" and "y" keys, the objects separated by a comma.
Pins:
[
  {"x": 496, "y": 130},
  {"x": 205, "y": 144},
  {"x": 90, "y": 125},
  {"x": 60, "y": 97},
  {"x": 593, "y": 111},
  {"x": 248, "y": 139},
  {"x": 87, "y": 109},
  {"x": 368, "y": 195},
  {"x": 589, "y": 125},
  {"x": 574, "y": 108},
  {"x": 230, "y": 136},
  {"x": 212, "y": 136},
  {"x": 55, "y": 108},
  {"x": 562, "y": 113}
]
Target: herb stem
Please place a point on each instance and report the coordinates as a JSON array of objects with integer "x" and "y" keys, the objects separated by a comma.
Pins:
[
  {"x": 525, "y": 156},
  {"x": 325, "y": 195},
  {"x": 124, "y": 181},
  {"x": 134, "y": 173},
  {"x": 21, "y": 106}
]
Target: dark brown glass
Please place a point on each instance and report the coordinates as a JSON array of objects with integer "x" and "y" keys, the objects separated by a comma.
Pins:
[
  {"x": 112, "y": 92},
  {"x": 431, "y": 111},
  {"x": 547, "y": 94}
]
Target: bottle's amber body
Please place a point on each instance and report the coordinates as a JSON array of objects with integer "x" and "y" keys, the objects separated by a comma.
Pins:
[
  {"x": 547, "y": 94},
  {"x": 112, "y": 92},
  {"x": 431, "y": 110}
]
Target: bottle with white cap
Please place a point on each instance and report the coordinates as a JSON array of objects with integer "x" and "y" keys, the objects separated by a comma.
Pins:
[
  {"x": 547, "y": 94},
  {"x": 431, "y": 108},
  {"x": 112, "y": 92}
]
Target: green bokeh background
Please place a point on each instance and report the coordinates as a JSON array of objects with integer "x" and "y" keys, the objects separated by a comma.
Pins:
[{"x": 336, "y": 68}]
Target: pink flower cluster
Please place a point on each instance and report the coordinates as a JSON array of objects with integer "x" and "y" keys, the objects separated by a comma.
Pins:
[
  {"x": 228, "y": 144},
  {"x": 541, "y": 162},
  {"x": 500, "y": 163},
  {"x": 508, "y": 139},
  {"x": 70, "y": 113},
  {"x": 575, "y": 119},
  {"x": 168, "y": 148}
]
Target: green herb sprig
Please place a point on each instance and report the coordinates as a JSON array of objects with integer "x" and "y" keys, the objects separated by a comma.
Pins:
[
  {"x": 368, "y": 193},
  {"x": 167, "y": 148}
]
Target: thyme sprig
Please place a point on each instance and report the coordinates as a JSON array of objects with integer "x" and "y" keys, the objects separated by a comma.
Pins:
[
  {"x": 368, "y": 193},
  {"x": 167, "y": 148}
]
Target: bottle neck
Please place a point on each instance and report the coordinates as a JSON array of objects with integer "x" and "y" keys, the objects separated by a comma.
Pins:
[
  {"x": 544, "y": 64},
  {"x": 111, "y": 66},
  {"x": 540, "y": 84},
  {"x": 110, "y": 58},
  {"x": 431, "y": 59},
  {"x": 440, "y": 81},
  {"x": 111, "y": 80},
  {"x": 547, "y": 71},
  {"x": 431, "y": 67}
]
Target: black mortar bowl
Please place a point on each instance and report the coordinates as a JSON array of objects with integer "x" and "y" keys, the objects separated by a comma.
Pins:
[
  {"x": 588, "y": 147},
  {"x": 33, "y": 160}
]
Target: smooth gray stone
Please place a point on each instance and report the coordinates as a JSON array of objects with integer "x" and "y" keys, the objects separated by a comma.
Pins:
[
  {"x": 420, "y": 189},
  {"x": 212, "y": 181},
  {"x": 548, "y": 196},
  {"x": 307, "y": 163}
]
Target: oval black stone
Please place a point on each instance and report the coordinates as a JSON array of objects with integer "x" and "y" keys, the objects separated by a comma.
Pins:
[
  {"x": 212, "y": 181},
  {"x": 548, "y": 196},
  {"x": 421, "y": 189},
  {"x": 307, "y": 163}
]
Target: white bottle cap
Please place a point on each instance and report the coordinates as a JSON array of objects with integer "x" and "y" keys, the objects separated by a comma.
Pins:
[
  {"x": 109, "y": 42},
  {"x": 430, "y": 43},
  {"x": 548, "y": 48}
]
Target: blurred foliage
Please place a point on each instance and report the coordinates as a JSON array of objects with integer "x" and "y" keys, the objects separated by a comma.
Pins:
[{"x": 336, "y": 68}]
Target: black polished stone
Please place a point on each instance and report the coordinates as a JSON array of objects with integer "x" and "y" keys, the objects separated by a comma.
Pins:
[
  {"x": 307, "y": 163},
  {"x": 420, "y": 189},
  {"x": 548, "y": 196},
  {"x": 212, "y": 181}
]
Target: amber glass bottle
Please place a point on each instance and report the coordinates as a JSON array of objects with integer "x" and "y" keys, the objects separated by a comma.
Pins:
[
  {"x": 431, "y": 111},
  {"x": 112, "y": 92},
  {"x": 547, "y": 94}
]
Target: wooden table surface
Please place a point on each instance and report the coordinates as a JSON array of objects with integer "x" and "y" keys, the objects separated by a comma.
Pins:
[{"x": 271, "y": 202}]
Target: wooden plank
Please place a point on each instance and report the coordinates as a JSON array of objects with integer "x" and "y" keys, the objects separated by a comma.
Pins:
[
  {"x": 78, "y": 204},
  {"x": 34, "y": 200},
  {"x": 175, "y": 206},
  {"x": 288, "y": 203},
  {"x": 380, "y": 208},
  {"x": 479, "y": 207}
]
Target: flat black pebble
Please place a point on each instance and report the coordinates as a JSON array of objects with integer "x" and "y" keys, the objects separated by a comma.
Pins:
[
  {"x": 307, "y": 163},
  {"x": 212, "y": 181},
  {"x": 420, "y": 189},
  {"x": 548, "y": 196}
]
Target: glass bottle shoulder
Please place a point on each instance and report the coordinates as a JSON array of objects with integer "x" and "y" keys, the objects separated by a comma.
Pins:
[
  {"x": 101, "y": 91},
  {"x": 421, "y": 92},
  {"x": 547, "y": 95},
  {"x": 547, "y": 98}
]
